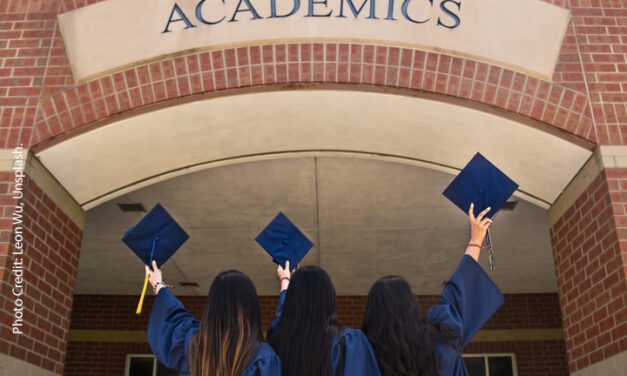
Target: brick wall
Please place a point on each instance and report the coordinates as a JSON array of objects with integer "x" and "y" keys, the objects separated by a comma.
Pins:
[
  {"x": 102, "y": 312},
  {"x": 51, "y": 244},
  {"x": 601, "y": 32},
  {"x": 100, "y": 358},
  {"x": 116, "y": 312},
  {"x": 589, "y": 244}
]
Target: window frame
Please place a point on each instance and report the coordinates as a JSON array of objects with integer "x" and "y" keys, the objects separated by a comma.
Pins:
[
  {"x": 485, "y": 356},
  {"x": 127, "y": 365}
]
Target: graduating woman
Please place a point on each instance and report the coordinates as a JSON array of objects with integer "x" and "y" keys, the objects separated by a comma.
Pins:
[
  {"x": 306, "y": 334},
  {"x": 227, "y": 341},
  {"x": 406, "y": 345}
]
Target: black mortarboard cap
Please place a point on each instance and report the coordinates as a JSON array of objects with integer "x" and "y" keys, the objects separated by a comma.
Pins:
[
  {"x": 284, "y": 241},
  {"x": 481, "y": 183},
  {"x": 155, "y": 237}
]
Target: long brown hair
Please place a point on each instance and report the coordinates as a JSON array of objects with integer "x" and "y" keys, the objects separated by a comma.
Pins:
[
  {"x": 230, "y": 327},
  {"x": 399, "y": 337}
]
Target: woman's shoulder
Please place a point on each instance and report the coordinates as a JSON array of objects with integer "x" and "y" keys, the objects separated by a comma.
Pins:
[
  {"x": 350, "y": 337},
  {"x": 264, "y": 350},
  {"x": 353, "y": 334},
  {"x": 264, "y": 362}
]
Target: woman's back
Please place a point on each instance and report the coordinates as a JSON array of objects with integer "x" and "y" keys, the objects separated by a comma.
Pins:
[
  {"x": 227, "y": 341},
  {"x": 306, "y": 334}
]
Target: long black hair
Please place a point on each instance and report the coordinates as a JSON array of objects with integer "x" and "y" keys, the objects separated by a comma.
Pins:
[
  {"x": 399, "y": 337},
  {"x": 308, "y": 324},
  {"x": 230, "y": 327}
]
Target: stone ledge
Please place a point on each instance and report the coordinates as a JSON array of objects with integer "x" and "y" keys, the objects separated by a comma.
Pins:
[
  {"x": 47, "y": 182},
  {"x": 604, "y": 157}
]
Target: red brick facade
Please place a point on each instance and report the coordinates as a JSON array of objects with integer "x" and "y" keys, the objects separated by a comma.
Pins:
[
  {"x": 589, "y": 244},
  {"x": 586, "y": 97},
  {"x": 51, "y": 244},
  {"x": 521, "y": 311}
]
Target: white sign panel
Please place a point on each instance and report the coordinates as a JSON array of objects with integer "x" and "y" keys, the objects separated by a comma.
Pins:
[{"x": 524, "y": 35}]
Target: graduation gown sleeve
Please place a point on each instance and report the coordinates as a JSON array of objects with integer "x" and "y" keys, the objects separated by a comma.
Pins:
[
  {"x": 279, "y": 308},
  {"x": 265, "y": 362},
  {"x": 170, "y": 329},
  {"x": 469, "y": 298},
  {"x": 359, "y": 358}
]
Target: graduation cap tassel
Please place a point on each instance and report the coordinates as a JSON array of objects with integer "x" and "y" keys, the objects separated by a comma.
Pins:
[
  {"x": 489, "y": 238},
  {"x": 490, "y": 251},
  {"x": 141, "y": 298}
]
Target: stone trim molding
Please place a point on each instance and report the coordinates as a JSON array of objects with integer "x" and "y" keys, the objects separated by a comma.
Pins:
[
  {"x": 613, "y": 366},
  {"x": 602, "y": 158},
  {"x": 47, "y": 182},
  {"x": 13, "y": 366}
]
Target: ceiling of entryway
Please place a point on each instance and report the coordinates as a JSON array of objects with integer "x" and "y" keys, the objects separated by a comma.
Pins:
[
  {"x": 368, "y": 217},
  {"x": 153, "y": 146}
]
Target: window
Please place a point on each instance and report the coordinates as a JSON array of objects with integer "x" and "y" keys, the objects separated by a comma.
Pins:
[
  {"x": 491, "y": 364},
  {"x": 146, "y": 365}
]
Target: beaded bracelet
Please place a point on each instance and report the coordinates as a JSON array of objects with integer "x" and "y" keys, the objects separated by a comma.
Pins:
[
  {"x": 479, "y": 246},
  {"x": 154, "y": 288},
  {"x": 282, "y": 278}
]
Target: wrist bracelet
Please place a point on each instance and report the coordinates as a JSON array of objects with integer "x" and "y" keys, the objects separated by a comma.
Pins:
[
  {"x": 479, "y": 246},
  {"x": 154, "y": 288},
  {"x": 282, "y": 278}
]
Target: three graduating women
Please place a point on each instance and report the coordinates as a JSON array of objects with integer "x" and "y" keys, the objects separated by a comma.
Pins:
[{"x": 306, "y": 337}]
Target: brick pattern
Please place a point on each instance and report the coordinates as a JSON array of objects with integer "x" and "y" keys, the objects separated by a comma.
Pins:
[
  {"x": 590, "y": 252},
  {"x": 25, "y": 36},
  {"x": 600, "y": 28},
  {"x": 103, "y": 312},
  {"x": 7, "y": 205},
  {"x": 100, "y": 358},
  {"x": 51, "y": 244},
  {"x": 117, "y": 312},
  {"x": 433, "y": 72}
]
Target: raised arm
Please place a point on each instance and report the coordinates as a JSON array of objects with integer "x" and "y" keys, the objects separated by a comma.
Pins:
[
  {"x": 170, "y": 327},
  {"x": 284, "y": 276},
  {"x": 470, "y": 297},
  {"x": 478, "y": 228}
]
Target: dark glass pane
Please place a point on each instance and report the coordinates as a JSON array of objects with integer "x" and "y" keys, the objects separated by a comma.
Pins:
[
  {"x": 164, "y": 371},
  {"x": 475, "y": 366},
  {"x": 500, "y": 366},
  {"x": 141, "y": 366}
]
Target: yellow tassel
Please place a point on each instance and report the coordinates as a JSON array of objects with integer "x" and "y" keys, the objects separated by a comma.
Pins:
[{"x": 141, "y": 299}]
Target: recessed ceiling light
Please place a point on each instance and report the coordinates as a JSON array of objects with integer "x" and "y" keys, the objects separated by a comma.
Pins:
[
  {"x": 189, "y": 284},
  {"x": 132, "y": 207},
  {"x": 509, "y": 205}
]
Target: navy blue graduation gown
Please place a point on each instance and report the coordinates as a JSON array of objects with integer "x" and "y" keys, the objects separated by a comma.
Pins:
[
  {"x": 171, "y": 327},
  {"x": 359, "y": 358},
  {"x": 467, "y": 302}
]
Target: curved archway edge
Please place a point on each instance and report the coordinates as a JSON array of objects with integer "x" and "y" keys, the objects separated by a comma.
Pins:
[{"x": 549, "y": 106}]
